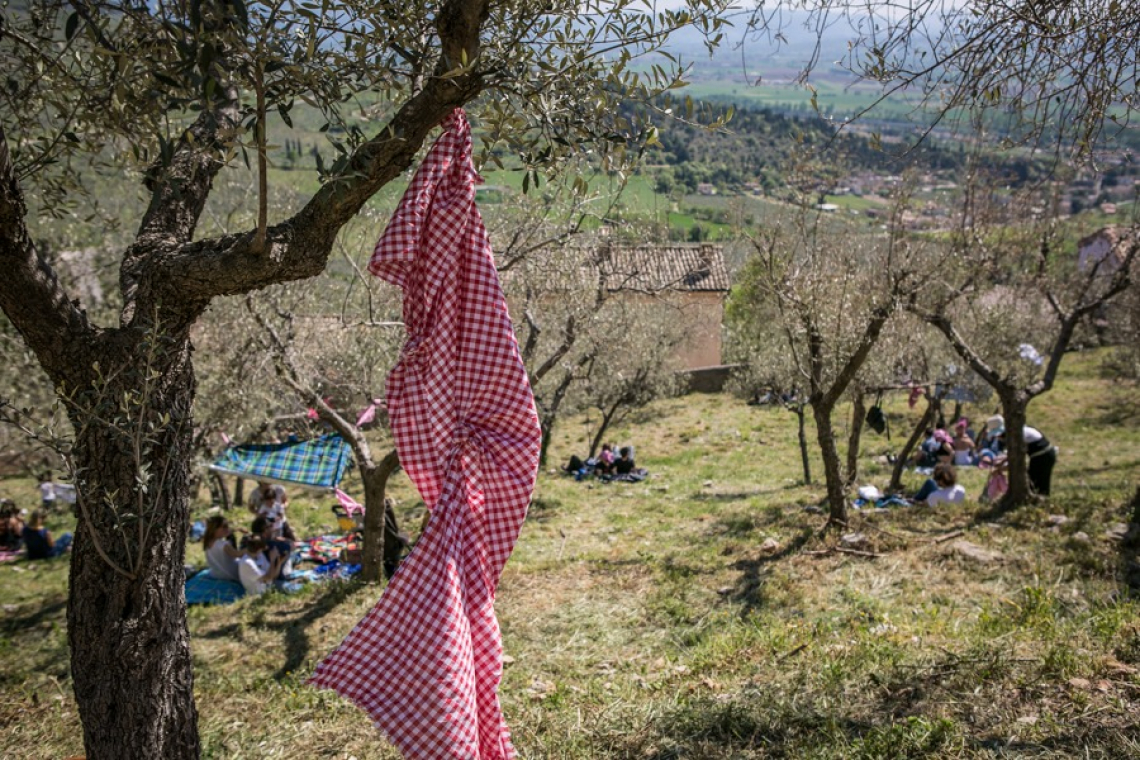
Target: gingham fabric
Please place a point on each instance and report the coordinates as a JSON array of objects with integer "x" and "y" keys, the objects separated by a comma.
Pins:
[
  {"x": 426, "y": 662},
  {"x": 319, "y": 462}
]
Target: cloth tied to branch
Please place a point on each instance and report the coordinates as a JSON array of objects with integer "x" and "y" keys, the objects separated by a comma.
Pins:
[{"x": 426, "y": 662}]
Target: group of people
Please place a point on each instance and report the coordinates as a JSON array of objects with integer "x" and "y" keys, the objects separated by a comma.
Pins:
[
  {"x": 960, "y": 445},
  {"x": 261, "y": 560},
  {"x": 943, "y": 451},
  {"x": 31, "y": 536},
  {"x": 609, "y": 464}
]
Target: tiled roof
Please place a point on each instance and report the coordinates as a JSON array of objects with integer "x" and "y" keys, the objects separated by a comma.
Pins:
[
  {"x": 652, "y": 268},
  {"x": 643, "y": 269},
  {"x": 1119, "y": 241}
]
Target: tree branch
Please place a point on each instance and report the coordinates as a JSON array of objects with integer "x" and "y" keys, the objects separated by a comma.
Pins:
[
  {"x": 289, "y": 374},
  {"x": 177, "y": 200},
  {"x": 879, "y": 318},
  {"x": 568, "y": 340},
  {"x": 964, "y": 350},
  {"x": 300, "y": 246},
  {"x": 30, "y": 293}
]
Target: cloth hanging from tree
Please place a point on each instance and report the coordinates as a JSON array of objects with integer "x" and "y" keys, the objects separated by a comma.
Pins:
[
  {"x": 426, "y": 662},
  {"x": 316, "y": 463}
]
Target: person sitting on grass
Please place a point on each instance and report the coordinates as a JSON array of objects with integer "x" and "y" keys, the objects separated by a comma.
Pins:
[
  {"x": 942, "y": 487},
  {"x": 262, "y": 528},
  {"x": 38, "y": 542},
  {"x": 963, "y": 444},
  {"x": 11, "y": 527},
  {"x": 605, "y": 465},
  {"x": 266, "y": 492},
  {"x": 221, "y": 555},
  {"x": 256, "y": 571},
  {"x": 992, "y": 441},
  {"x": 938, "y": 447},
  {"x": 624, "y": 465},
  {"x": 269, "y": 501}
]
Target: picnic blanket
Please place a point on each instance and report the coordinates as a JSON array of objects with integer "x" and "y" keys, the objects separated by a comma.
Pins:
[
  {"x": 203, "y": 588},
  {"x": 316, "y": 463},
  {"x": 324, "y": 548},
  {"x": 426, "y": 662}
]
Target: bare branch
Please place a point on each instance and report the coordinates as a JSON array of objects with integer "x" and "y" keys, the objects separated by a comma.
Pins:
[{"x": 287, "y": 371}]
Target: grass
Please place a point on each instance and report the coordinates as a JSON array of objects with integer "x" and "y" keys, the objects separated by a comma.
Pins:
[{"x": 645, "y": 620}]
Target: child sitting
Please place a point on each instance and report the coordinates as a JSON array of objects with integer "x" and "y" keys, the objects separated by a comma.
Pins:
[{"x": 258, "y": 572}]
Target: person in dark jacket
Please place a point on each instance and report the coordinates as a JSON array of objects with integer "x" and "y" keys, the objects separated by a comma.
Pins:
[
  {"x": 624, "y": 464},
  {"x": 1042, "y": 456}
]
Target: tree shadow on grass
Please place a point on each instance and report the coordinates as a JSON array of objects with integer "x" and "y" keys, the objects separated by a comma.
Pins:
[
  {"x": 47, "y": 611},
  {"x": 898, "y": 714},
  {"x": 715, "y": 496},
  {"x": 749, "y": 589},
  {"x": 28, "y": 633},
  {"x": 1122, "y": 412},
  {"x": 295, "y": 627},
  {"x": 223, "y": 632}
]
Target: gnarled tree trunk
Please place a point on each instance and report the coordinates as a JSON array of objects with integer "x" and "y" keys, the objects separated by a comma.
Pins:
[
  {"x": 1013, "y": 408},
  {"x": 130, "y": 648}
]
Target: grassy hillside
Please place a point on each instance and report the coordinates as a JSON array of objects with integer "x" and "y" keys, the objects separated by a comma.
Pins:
[{"x": 654, "y": 621}]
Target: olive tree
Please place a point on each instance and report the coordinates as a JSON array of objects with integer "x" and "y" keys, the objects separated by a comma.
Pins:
[
  {"x": 1009, "y": 302},
  {"x": 172, "y": 93},
  {"x": 827, "y": 298}
]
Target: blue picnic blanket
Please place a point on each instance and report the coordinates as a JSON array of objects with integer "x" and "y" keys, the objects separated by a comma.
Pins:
[{"x": 203, "y": 588}]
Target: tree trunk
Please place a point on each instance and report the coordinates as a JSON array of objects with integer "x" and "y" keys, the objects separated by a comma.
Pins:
[
  {"x": 858, "y": 414},
  {"x": 932, "y": 405},
  {"x": 549, "y": 412},
  {"x": 239, "y": 493},
  {"x": 836, "y": 489},
  {"x": 382, "y": 545},
  {"x": 219, "y": 491},
  {"x": 1013, "y": 408},
  {"x": 546, "y": 425},
  {"x": 798, "y": 409},
  {"x": 130, "y": 648},
  {"x": 607, "y": 418}
]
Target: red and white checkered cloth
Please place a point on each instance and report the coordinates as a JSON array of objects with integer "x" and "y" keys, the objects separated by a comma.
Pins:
[{"x": 426, "y": 662}]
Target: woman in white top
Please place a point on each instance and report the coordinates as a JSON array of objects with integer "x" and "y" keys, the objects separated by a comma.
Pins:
[
  {"x": 946, "y": 488},
  {"x": 221, "y": 556}
]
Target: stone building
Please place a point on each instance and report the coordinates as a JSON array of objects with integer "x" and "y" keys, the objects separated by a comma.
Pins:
[{"x": 692, "y": 279}]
